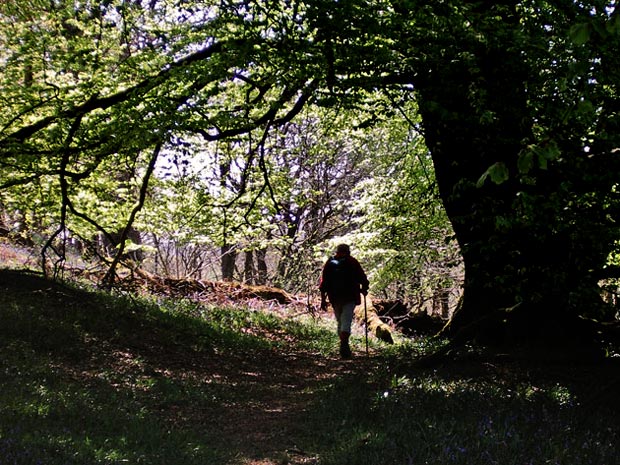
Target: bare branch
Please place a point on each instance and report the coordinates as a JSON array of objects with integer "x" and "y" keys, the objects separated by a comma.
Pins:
[{"x": 108, "y": 279}]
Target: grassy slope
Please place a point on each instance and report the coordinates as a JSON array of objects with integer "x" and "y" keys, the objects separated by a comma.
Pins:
[{"x": 87, "y": 378}]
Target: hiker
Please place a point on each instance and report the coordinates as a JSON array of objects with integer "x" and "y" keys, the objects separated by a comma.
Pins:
[{"x": 342, "y": 280}]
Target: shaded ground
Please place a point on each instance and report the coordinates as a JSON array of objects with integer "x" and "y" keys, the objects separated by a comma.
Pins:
[{"x": 123, "y": 370}]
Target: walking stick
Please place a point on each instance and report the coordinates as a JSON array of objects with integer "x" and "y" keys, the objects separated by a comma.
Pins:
[{"x": 366, "y": 325}]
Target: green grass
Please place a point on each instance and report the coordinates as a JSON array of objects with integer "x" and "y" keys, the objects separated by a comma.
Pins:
[
  {"x": 90, "y": 378},
  {"x": 61, "y": 403},
  {"x": 426, "y": 419}
]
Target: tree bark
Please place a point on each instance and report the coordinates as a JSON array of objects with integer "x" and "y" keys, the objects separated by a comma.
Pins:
[
  {"x": 261, "y": 266},
  {"x": 249, "y": 273},
  {"x": 523, "y": 268}
]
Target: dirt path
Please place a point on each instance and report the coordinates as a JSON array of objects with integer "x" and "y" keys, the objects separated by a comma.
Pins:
[
  {"x": 281, "y": 391},
  {"x": 263, "y": 398},
  {"x": 269, "y": 395}
]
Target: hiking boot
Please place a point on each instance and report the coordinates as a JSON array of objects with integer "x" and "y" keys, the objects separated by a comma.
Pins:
[{"x": 345, "y": 350}]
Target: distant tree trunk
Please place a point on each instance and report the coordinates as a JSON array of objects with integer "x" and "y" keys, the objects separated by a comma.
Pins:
[
  {"x": 229, "y": 257},
  {"x": 248, "y": 268},
  {"x": 440, "y": 302},
  {"x": 28, "y": 75},
  {"x": 261, "y": 266},
  {"x": 135, "y": 237}
]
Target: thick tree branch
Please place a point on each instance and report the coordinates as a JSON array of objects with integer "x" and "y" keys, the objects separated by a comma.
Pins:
[
  {"x": 269, "y": 117},
  {"x": 108, "y": 279},
  {"x": 64, "y": 190},
  {"x": 101, "y": 103}
]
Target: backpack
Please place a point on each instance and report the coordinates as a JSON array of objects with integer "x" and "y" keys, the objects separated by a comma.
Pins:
[{"x": 340, "y": 277}]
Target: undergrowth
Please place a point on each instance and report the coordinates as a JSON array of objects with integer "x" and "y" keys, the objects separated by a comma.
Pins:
[{"x": 91, "y": 378}]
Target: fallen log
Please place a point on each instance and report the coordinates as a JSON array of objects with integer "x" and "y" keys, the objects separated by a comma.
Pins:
[
  {"x": 409, "y": 322},
  {"x": 203, "y": 290},
  {"x": 370, "y": 317}
]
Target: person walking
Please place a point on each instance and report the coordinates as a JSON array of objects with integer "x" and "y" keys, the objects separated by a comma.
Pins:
[{"x": 342, "y": 281}]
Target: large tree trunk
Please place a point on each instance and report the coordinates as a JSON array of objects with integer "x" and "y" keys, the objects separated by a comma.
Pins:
[{"x": 524, "y": 266}]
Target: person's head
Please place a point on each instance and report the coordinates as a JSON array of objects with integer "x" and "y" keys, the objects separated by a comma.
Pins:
[{"x": 343, "y": 250}]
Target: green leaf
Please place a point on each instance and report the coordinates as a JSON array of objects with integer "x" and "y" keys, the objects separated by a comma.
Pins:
[
  {"x": 613, "y": 25},
  {"x": 482, "y": 178},
  {"x": 498, "y": 172},
  {"x": 580, "y": 33},
  {"x": 542, "y": 154},
  {"x": 525, "y": 162},
  {"x": 547, "y": 153},
  {"x": 585, "y": 106}
]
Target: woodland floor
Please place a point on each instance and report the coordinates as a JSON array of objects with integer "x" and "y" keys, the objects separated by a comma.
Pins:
[
  {"x": 263, "y": 397},
  {"x": 265, "y": 394}
]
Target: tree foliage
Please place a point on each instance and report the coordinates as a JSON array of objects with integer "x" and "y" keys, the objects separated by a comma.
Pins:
[{"x": 400, "y": 223}]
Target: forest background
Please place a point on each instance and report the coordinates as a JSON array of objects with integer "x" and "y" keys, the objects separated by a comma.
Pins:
[
  {"x": 265, "y": 206},
  {"x": 456, "y": 145},
  {"x": 468, "y": 150}
]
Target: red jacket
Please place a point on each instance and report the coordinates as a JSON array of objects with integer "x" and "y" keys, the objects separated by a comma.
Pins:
[{"x": 342, "y": 279}]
